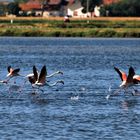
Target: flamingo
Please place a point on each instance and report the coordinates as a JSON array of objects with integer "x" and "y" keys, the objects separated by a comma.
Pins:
[
  {"x": 31, "y": 75},
  {"x": 32, "y": 80},
  {"x": 127, "y": 81},
  {"x": 39, "y": 80},
  {"x": 12, "y": 72}
]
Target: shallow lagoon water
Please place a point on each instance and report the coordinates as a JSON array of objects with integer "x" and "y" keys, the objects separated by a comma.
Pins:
[{"x": 79, "y": 109}]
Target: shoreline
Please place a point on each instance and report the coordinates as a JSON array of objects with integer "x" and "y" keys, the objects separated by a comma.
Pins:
[{"x": 56, "y": 27}]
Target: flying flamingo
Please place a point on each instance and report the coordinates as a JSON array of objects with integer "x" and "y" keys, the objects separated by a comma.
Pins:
[
  {"x": 31, "y": 75},
  {"x": 12, "y": 73},
  {"x": 32, "y": 80},
  {"x": 127, "y": 81},
  {"x": 39, "y": 80}
]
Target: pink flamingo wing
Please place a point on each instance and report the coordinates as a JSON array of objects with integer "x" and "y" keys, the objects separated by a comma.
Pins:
[{"x": 124, "y": 76}]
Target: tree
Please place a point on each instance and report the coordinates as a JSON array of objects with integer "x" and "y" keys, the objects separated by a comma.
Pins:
[
  {"x": 13, "y": 8},
  {"x": 122, "y": 8},
  {"x": 45, "y": 4},
  {"x": 2, "y": 9},
  {"x": 89, "y": 5}
]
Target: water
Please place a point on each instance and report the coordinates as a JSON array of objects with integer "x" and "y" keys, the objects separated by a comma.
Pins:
[{"x": 79, "y": 109}]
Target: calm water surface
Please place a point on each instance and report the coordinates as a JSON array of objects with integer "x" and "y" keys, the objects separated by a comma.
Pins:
[{"x": 78, "y": 110}]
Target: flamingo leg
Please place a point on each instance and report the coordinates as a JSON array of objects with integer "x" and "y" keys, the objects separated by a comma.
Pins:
[{"x": 115, "y": 93}]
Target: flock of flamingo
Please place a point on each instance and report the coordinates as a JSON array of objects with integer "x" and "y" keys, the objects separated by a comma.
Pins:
[
  {"x": 40, "y": 79},
  {"x": 36, "y": 79}
]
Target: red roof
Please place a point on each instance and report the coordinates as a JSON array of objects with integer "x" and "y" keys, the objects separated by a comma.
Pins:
[{"x": 32, "y": 4}]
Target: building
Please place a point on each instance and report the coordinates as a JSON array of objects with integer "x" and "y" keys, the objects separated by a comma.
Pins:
[
  {"x": 50, "y": 8},
  {"x": 54, "y": 8},
  {"x": 30, "y": 7},
  {"x": 74, "y": 9}
]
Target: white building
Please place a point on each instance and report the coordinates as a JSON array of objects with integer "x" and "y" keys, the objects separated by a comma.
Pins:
[
  {"x": 74, "y": 9},
  {"x": 97, "y": 11}
]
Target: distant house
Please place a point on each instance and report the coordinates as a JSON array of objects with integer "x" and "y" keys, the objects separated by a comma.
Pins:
[
  {"x": 51, "y": 8},
  {"x": 96, "y": 11},
  {"x": 31, "y": 6},
  {"x": 74, "y": 9},
  {"x": 54, "y": 8}
]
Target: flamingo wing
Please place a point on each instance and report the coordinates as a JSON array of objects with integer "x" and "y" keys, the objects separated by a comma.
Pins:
[
  {"x": 35, "y": 73},
  {"x": 9, "y": 69},
  {"x": 136, "y": 79},
  {"x": 16, "y": 70},
  {"x": 42, "y": 76},
  {"x": 122, "y": 74},
  {"x": 131, "y": 73}
]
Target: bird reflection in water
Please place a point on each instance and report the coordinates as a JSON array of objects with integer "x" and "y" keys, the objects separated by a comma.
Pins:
[{"x": 128, "y": 104}]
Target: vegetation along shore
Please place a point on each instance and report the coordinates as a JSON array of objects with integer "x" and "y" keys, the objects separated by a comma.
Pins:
[{"x": 56, "y": 27}]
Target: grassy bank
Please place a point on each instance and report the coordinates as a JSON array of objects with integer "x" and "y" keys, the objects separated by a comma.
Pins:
[{"x": 55, "y": 27}]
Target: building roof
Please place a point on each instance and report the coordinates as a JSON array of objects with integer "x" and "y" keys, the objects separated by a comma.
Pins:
[
  {"x": 30, "y": 5},
  {"x": 35, "y": 4}
]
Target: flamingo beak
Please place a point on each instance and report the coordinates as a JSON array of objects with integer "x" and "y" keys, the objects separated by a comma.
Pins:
[
  {"x": 61, "y": 72},
  {"x": 62, "y": 82}
]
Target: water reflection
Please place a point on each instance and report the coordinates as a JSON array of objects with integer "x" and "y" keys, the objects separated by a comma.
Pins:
[{"x": 128, "y": 104}]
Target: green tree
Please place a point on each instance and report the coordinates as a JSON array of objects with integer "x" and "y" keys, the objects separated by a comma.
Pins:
[
  {"x": 89, "y": 5},
  {"x": 13, "y": 8},
  {"x": 122, "y": 8},
  {"x": 2, "y": 9}
]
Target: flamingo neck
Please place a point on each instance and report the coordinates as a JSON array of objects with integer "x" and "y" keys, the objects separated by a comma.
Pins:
[{"x": 52, "y": 74}]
